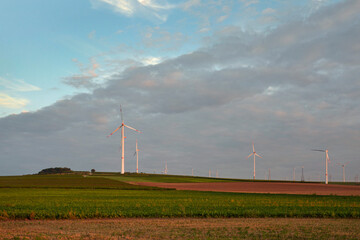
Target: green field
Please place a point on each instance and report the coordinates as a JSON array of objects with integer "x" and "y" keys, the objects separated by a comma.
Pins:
[
  {"x": 164, "y": 178},
  {"x": 75, "y": 196},
  {"x": 104, "y": 203},
  {"x": 65, "y": 181}
]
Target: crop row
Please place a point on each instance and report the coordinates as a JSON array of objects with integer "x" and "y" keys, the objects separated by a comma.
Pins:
[{"x": 109, "y": 203}]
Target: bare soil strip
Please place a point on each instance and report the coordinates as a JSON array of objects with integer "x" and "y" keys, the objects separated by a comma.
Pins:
[
  {"x": 183, "y": 228},
  {"x": 262, "y": 187}
]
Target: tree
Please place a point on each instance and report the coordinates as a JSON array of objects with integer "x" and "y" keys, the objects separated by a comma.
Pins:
[
  {"x": 55, "y": 170},
  {"x": 92, "y": 171}
]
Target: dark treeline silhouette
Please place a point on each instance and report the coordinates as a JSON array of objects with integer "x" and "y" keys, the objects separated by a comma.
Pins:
[{"x": 55, "y": 170}]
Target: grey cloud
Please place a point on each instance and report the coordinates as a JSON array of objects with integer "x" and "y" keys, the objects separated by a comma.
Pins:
[{"x": 290, "y": 90}]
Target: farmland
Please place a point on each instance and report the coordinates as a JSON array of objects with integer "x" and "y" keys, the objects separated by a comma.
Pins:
[
  {"x": 78, "y": 197},
  {"x": 64, "y": 181},
  {"x": 183, "y": 228},
  {"x": 105, "y": 206}
]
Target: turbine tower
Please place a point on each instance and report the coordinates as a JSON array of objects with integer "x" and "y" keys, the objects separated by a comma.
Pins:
[
  {"x": 293, "y": 174},
  {"x": 327, "y": 160},
  {"x": 137, "y": 157},
  {"x": 302, "y": 174},
  {"x": 255, "y": 154},
  {"x": 343, "y": 168},
  {"x": 166, "y": 169},
  {"x": 122, "y": 126}
]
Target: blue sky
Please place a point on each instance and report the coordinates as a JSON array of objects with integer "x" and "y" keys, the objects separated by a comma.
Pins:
[
  {"x": 202, "y": 79},
  {"x": 44, "y": 43}
]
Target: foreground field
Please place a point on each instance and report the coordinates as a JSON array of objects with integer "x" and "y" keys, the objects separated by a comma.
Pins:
[
  {"x": 58, "y": 203},
  {"x": 79, "y": 197},
  {"x": 183, "y": 228}
]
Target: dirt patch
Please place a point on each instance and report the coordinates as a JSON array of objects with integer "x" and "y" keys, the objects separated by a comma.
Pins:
[
  {"x": 262, "y": 187},
  {"x": 183, "y": 228}
]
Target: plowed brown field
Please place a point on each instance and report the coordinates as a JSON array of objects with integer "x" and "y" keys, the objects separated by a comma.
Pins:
[
  {"x": 183, "y": 228},
  {"x": 263, "y": 187}
]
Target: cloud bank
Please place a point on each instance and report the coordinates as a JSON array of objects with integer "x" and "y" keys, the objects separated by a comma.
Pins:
[{"x": 290, "y": 90}]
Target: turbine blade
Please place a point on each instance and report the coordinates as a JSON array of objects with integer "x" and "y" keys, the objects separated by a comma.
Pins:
[
  {"x": 122, "y": 120},
  {"x": 258, "y": 155},
  {"x": 318, "y": 150},
  {"x": 253, "y": 147},
  {"x": 114, "y": 131},
  {"x": 250, "y": 155},
  {"x": 346, "y": 163},
  {"x": 131, "y": 128}
]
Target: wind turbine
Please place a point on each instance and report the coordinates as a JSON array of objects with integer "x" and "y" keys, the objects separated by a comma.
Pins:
[
  {"x": 327, "y": 160},
  {"x": 137, "y": 157},
  {"x": 122, "y": 126},
  {"x": 166, "y": 169},
  {"x": 343, "y": 167},
  {"x": 293, "y": 174},
  {"x": 255, "y": 154}
]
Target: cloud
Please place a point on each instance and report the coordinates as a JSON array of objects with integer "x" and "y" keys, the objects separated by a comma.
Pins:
[
  {"x": 87, "y": 78},
  {"x": 141, "y": 8},
  {"x": 290, "y": 90},
  {"x": 249, "y": 2},
  {"x": 17, "y": 85},
  {"x": 191, "y": 3},
  {"x": 151, "y": 60},
  {"x": 222, "y": 18},
  {"x": 123, "y": 6},
  {"x": 156, "y": 6},
  {"x": 165, "y": 40},
  {"x": 269, "y": 11},
  {"x": 9, "y": 102},
  {"x": 204, "y": 30},
  {"x": 92, "y": 34}
]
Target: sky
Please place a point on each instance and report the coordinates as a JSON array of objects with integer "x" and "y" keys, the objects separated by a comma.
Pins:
[{"x": 200, "y": 79}]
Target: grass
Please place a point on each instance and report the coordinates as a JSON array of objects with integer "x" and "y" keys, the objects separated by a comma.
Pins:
[
  {"x": 144, "y": 177},
  {"x": 61, "y": 203},
  {"x": 65, "y": 181},
  {"x": 164, "y": 178}
]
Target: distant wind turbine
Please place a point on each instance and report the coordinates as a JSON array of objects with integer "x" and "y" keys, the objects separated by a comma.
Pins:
[
  {"x": 293, "y": 174},
  {"x": 122, "y": 126},
  {"x": 137, "y": 156},
  {"x": 327, "y": 160},
  {"x": 343, "y": 167},
  {"x": 255, "y": 154}
]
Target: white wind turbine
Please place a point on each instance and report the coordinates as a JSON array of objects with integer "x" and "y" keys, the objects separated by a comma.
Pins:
[
  {"x": 122, "y": 126},
  {"x": 327, "y": 160},
  {"x": 255, "y": 154},
  {"x": 137, "y": 157},
  {"x": 165, "y": 169},
  {"x": 343, "y": 167}
]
